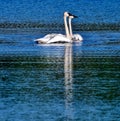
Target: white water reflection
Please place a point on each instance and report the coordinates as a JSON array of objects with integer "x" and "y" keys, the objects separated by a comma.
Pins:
[{"x": 68, "y": 71}]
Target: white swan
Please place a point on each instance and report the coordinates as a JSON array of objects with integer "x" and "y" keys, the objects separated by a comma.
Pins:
[
  {"x": 74, "y": 37},
  {"x": 54, "y": 38}
]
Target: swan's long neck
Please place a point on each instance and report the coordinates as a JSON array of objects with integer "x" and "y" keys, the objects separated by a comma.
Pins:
[
  {"x": 66, "y": 27},
  {"x": 70, "y": 28}
]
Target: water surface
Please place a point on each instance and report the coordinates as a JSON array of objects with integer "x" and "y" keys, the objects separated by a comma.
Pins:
[
  {"x": 59, "y": 81},
  {"x": 93, "y": 15}
]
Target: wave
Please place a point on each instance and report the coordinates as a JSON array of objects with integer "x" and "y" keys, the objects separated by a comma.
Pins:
[{"x": 57, "y": 26}]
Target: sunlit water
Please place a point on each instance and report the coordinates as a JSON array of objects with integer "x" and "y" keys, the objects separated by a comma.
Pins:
[{"x": 59, "y": 82}]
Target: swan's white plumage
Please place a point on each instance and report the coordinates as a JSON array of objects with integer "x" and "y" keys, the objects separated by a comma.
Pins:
[
  {"x": 74, "y": 37},
  {"x": 77, "y": 37},
  {"x": 54, "y": 38},
  {"x": 46, "y": 38},
  {"x": 59, "y": 38}
]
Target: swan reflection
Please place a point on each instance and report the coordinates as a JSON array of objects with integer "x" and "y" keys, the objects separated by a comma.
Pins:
[{"x": 68, "y": 62}]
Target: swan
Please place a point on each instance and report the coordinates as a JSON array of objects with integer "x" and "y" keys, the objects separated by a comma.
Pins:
[
  {"x": 74, "y": 37},
  {"x": 54, "y": 38}
]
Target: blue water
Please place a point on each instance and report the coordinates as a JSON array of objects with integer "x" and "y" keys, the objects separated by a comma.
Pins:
[
  {"x": 59, "y": 82},
  {"x": 51, "y": 11}
]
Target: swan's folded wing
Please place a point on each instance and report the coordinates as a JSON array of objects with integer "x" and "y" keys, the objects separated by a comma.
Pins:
[
  {"x": 45, "y": 39},
  {"x": 59, "y": 39},
  {"x": 53, "y": 38}
]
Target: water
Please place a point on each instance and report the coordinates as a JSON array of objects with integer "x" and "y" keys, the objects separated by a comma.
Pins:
[
  {"x": 93, "y": 15},
  {"x": 59, "y": 82}
]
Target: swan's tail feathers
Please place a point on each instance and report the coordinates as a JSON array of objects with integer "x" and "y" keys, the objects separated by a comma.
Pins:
[{"x": 40, "y": 41}]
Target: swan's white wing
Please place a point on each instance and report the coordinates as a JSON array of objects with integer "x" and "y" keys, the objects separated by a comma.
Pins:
[
  {"x": 45, "y": 39},
  {"x": 53, "y": 38},
  {"x": 77, "y": 37},
  {"x": 59, "y": 38},
  {"x": 50, "y": 36}
]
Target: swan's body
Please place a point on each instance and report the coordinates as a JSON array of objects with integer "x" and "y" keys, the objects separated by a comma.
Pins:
[
  {"x": 77, "y": 37},
  {"x": 74, "y": 37},
  {"x": 59, "y": 38},
  {"x": 46, "y": 38},
  {"x": 53, "y": 38},
  {"x": 56, "y": 38}
]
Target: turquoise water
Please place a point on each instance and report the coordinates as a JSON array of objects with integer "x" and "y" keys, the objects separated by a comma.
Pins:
[{"x": 59, "y": 82}]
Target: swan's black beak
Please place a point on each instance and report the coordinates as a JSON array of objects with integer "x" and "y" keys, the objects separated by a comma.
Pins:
[{"x": 72, "y": 15}]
